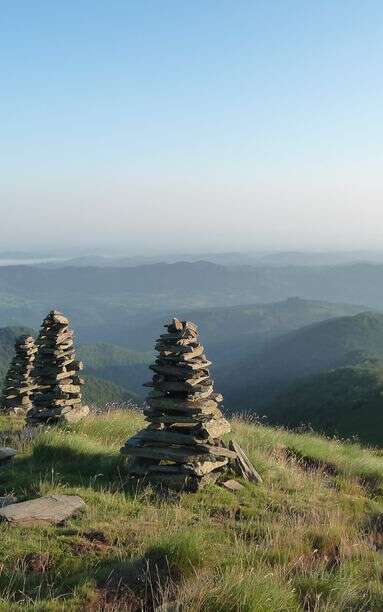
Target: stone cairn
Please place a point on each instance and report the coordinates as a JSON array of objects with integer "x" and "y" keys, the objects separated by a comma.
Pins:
[
  {"x": 58, "y": 393},
  {"x": 181, "y": 448},
  {"x": 19, "y": 383}
]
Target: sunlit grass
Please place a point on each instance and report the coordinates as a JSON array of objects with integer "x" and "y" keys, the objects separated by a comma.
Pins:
[{"x": 308, "y": 538}]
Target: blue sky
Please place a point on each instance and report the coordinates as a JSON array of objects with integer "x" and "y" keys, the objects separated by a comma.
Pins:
[{"x": 201, "y": 124}]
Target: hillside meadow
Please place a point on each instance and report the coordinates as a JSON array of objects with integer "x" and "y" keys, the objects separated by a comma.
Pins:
[{"x": 310, "y": 537}]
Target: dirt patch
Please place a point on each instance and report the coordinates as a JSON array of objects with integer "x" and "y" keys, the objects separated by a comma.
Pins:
[
  {"x": 82, "y": 546},
  {"x": 95, "y": 535},
  {"x": 373, "y": 528},
  {"x": 38, "y": 563},
  {"x": 310, "y": 463},
  {"x": 328, "y": 559},
  {"x": 371, "y": 484},
  {"x": 144, "y": 584},
  {"x": 104, "y": 601},
  {"x": 221, "y": 515}
]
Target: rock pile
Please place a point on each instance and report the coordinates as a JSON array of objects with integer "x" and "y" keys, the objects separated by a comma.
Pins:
[
  {"x": 58, "y": 393},
  {"x": 19, "y": 384},
  {"x": 181, "y": 448}
]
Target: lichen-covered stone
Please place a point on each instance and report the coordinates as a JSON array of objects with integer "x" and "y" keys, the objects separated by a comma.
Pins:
[{"x": 53, "y": 509}]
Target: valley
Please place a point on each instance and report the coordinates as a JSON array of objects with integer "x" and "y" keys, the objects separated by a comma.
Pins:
[{"x": 268, "y": 356}]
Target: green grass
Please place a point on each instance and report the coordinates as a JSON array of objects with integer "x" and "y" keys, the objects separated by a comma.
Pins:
[{"x": 310, "y": 538}]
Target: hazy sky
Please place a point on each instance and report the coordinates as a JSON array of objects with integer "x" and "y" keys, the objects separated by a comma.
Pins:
[{"x": 197, "y": 124}]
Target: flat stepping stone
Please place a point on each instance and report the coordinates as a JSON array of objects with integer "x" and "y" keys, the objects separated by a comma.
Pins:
[
  {"x": 232, "y": 485},
  {"x": 53, "y": 509},
  {"x": 6, "y": 453}
]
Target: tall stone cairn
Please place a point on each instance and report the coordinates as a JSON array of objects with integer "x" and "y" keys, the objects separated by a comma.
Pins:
[
  {"x": 58, "y": 393},
  {"x": 19, "y": 383},
  {"x": 181, "y": 448}
]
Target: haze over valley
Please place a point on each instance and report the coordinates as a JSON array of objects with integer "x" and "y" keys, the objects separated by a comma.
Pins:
[{"x": 269, "y": 326}]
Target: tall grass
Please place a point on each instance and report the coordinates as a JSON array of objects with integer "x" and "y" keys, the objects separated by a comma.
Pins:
[{"x": 309, "y": 538}]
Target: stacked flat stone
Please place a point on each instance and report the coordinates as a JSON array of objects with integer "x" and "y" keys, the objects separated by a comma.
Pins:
[
  {"x": 181, "y": 448},
  {"x": 58, "y": 393},
  {"x": 19, "y": 383}
]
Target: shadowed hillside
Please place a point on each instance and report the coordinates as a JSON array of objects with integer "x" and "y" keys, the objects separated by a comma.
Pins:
[
  {"x": 251, "y": 383},
  {"x": 246, "y": 325},
  {"x": 346, "y": 401},
  {"x": 126, "y": 368}
]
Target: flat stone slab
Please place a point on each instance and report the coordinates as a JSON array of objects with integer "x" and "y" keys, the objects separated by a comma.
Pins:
[
  {"x": 6, "y": 453},
  {"x": 232, "y": 485},
  {"x": 53, "y": 509}
]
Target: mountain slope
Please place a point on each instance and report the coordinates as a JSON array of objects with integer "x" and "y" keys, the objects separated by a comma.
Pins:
[
  {"x": 346, "y": 401},
  {"x": 100, "y": 392},
  {"x": 343, "y": 341},
  {"x": 126, "y": 368},
  {"x": 358, "y": 283},
  {"x": 243, "y": 325},
  {"x": 242, "y": 328}
]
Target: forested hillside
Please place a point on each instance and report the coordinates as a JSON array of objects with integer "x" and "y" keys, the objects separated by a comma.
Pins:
[
  {"x": 258, "y": 352},
  {"x": 346, "y": 402},
  {"x": 102, "y": 393},
  {"x": 124, "y": 367},
  {"x": 252, "y": 383},
  {"x": 245, "y": 325}
]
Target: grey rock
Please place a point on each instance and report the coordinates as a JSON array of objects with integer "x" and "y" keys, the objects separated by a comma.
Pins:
[
  {"x": 232, "y": 485},
  {"x": 53, "y": 509}
]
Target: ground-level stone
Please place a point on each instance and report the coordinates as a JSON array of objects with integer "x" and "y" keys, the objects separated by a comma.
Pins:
[
  {"x": 53, "y": 509},
  {"x": 232, "y": 485}
]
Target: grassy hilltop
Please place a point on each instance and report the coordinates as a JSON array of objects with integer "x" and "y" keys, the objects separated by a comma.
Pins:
[{"x": 309, "y": 538}]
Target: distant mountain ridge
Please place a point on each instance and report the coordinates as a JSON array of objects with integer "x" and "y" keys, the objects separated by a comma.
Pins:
[
  {"x": 354, "y": 283},
  {"x": 233, "y": 258},
  {"x": 109, "y": 304},
  {"x": 244, "y": 325}
]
